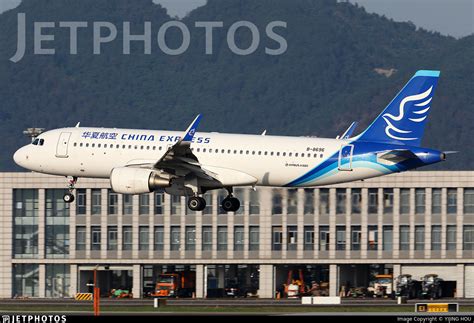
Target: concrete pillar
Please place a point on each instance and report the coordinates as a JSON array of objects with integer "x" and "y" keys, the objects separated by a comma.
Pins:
[
  {"x": 333, "y": 280},
  {"x": 104, "y": 196},
  {"x": 397, "y": 270},
  {"x": 200, "y": 282},
  {"x": 396, "y": 223},
  {"x": 73, "y": 271},
  {"x": 41, "y": 223},
  {"x": 460, "y": 281},
  {"x": 6, "y": 232},
  {"x": 266, "y": 282},
  {"x": 137, "y": 279},
  {"x": 42, "y": 281},
  {"x": 428, "y": 216}
]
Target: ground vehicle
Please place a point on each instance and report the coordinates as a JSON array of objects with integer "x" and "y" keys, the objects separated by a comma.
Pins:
[
  {"x": 431, "y": 286},
  {"x": 407, "y": 286},
  {"x": 381, "y": 286},
  {"x": 120, "y": 293},
  {"x": 182, "y": 284}
]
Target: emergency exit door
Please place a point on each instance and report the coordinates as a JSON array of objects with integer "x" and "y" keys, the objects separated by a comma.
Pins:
[{"x": 345, "y": 157}]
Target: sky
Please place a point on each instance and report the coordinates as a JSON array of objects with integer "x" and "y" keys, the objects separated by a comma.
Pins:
[{"x": 449, "y": 17}]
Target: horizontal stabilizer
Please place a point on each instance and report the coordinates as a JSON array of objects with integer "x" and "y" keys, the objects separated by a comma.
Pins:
[
  {"x": 348, "y": 133},
  {"x": 396, "y": 155}
]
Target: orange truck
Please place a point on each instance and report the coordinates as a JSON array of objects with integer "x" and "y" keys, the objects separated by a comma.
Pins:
[{"x": 182, "y": 284}]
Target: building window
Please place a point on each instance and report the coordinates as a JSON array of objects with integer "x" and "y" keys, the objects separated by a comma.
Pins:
[
  {"x": 356, "y": 199},
  {"x": 96, "y": 202},
  {"x": 144, "y": 204},
  {"x": 113, "y": 203},
  {"x": 387, "y": 200},
  {"x": 308, "y": 238},
  {"x": 112, "y": 238},
  {"x": 324, "y": 201},
  {"x": 254, "y": 238},
  {"x": 159, "y": 238},
  {"x": 175, "y": 202},
  {"x": 239, "y": 194},
  {"x": 309, "y": 201},
  {"x": 207, "y": 238},
  {"x": 208, "y": 209},
  {"x": 277, "y": 201},
  {"x": 254, "y": 206},
  {"x": 373, "y": 238},
  {"x": 292, "y": 238},
  {"x": 387, "y": 237},
  {"x": 127, "y": 238},
  {"x": 324, "y": 238},
  {"x": 356, "y": 235},
  {"x": 404, "y": 201},
  {"x": 451, "y": 236},
  {"x": 127, "y": 204},
  {"x": 159, "y": 202},
  {"x": 452, "y": 200},
  {"x": 238, "y": 238},
  {"x": 436, "y": 201},
  {"x": 373, "y": 200},
  {"x": 436, "y": 237},
  {"x": 419, "y": 237},
  {"x": 26, "y": 280},
  {"x": 95, "y": 238},
  {"x": 277, "y": 238},
  {"x": 57, "y": 240},
  {"x": 81, "y": 238},
  {"x": 81, "y": 202},
  {"x": 340, "y": 201},
  {"x": 144, "y": 238},
  {"x": 404, "y": 237},
  {"x": 58, "y": 281},
  {"x": 25, "y": 223},
  {"x": 55, "y": 205},
  {"x": 468, "y": 237},
  {"x": 292, "y": 201},
  {"x": 420, "y": 201},
  {"x": 340, "y": 238},
  {"x": 468, "y": 200},
  {"x": 175, "y": 238},
  {"x": 190, "y": 238},
  {"x": 222, "y": 238}
]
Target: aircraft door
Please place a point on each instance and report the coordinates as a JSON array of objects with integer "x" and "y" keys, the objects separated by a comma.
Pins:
[
  {"x": 345, "y": 158},
  {"x": 62, "y": 147}
]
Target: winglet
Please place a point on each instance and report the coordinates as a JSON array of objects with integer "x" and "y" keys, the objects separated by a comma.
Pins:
[{"x": 191, "y": 131}]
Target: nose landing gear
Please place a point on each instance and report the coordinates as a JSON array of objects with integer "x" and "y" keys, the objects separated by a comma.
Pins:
[{"x": 69, "y": 197}]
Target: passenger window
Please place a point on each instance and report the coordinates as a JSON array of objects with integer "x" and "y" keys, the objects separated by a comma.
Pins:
[
  {"x": 302, "y": 154},
  {"x": 123, "y": 146},
  {"x": 253, "y": 152},
  {"x": 198, "y": 149},
  {"x": 259, "y": 153},
  {"x": 210, "y": 150},
  {"x": 80, "y": 145},
  {"x": 105, "y": 145},
  {"x": 75, "y": 144},
  {"x": 321, "y": 155},
  {"x": 93, "y": 145},
  {"x": 87, "y": 145},
  {"x": 117, "y": 146},
  {"x": 204, "y": 150},
  {"x": 136, "y": 147},
  {"x": 141, "y": 147},
  {"x": 129, "y": 146},
  {"x": 284, "y": 154},
  {"x": 223, "y": 151},
  {"x": 296, "y": 154},
  {"x": 235, "y": 151},
  {"x": 271, "y": 154},
  {"x": 147, "y": 147},
  {"x": 290, "y": 154},
  {"x": 266, "y": 153},
  {"x": 159, "y": 148},
  {"x": 154, "y": 147},
  {"x": 98, "y": 145}
]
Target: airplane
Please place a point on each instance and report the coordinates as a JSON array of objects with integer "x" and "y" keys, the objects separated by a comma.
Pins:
[{"x": 192, "y": 163}]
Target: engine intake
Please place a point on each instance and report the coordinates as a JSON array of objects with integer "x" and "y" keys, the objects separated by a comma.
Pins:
[{"x": 130, "y": 180}]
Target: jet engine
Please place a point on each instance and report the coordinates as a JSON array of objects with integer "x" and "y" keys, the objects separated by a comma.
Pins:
[{"x": 131, "y": 180}]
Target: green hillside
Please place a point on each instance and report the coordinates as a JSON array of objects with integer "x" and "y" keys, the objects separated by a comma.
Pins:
[{"x": 324, "y": 81}]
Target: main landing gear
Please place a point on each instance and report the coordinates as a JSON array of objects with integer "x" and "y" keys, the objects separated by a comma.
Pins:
[
  {"x": 69, "y": 197},
  {"x": 229, "y": 204}
]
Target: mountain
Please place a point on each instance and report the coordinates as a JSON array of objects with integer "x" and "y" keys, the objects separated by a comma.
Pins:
[{"x": 342, "y": 64}]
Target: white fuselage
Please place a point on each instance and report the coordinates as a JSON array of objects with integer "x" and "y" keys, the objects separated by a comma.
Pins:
[{"x": 271, "y": 160}]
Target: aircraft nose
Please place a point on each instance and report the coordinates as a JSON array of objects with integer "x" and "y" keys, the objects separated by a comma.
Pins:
[{"x": 20, "y": 157}]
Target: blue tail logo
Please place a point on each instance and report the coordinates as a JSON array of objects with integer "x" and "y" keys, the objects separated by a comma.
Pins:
[{"x": 403, "y": 120}]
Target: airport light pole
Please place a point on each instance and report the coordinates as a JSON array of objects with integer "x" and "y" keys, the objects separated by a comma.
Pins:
[
  {"x": 33, "y": 132},
  {"x": 96, "y": 293}
]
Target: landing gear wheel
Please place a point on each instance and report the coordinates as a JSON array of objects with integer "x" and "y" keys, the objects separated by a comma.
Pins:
[
  {"x": 196, "y": 203},
  {"x": 68, "y": 198},
  {"x": 230, "y": 204}
]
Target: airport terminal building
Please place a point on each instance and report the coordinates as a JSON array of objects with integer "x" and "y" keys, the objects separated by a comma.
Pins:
[{"x": 342, "y": 235}]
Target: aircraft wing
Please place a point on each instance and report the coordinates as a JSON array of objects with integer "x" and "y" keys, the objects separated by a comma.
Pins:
[{"x": 179, "y": 160}]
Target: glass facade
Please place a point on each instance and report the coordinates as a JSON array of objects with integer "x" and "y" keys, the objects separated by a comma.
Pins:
[
  {"x": 254, "y": 238},
  {"x": 25, "y": 223},
  {"x": 356, "y": 200},
  {"x": 436, "y": 195},
  {"x": 292, "y": 201},
  {"x": 159, "y": 238},
  {"x": 324, "y": 201},
  {"x": 112, "y": 201},
  {"x": 239, "y": 238},
  {"x": 57, "y": 224},
  {"x": 25, "y": 280},
  {"x": 58, "y": 281}
]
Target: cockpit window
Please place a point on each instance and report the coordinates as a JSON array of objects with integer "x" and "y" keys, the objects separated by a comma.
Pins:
[
  {"x": 41, "y": 142},
  {"x": 35, "y": 142}
]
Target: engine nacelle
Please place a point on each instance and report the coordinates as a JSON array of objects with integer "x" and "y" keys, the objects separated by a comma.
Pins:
[{"x": 132, "y": 180}]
